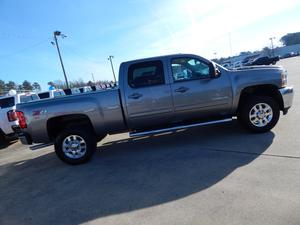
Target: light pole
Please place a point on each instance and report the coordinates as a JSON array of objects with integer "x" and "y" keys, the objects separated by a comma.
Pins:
[
  {"x": 112, "y": 67},
  {"x": 55, "y": 34},
  {"x": 93, "y": 78},
  {"x": 272, "y": 45}
]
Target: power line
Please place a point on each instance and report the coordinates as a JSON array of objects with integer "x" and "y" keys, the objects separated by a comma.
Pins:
[
  {"x": 25, "y": 49},
  {"x": 83, "y": 57}
]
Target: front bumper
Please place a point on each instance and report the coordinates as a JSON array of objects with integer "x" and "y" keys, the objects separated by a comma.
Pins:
[{"x": 287, "y": 94}]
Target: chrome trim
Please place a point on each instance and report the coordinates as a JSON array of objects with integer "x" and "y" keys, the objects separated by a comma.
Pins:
[
  {"x": 144, "y": 133},
  {"x": 287, "y": 94}
]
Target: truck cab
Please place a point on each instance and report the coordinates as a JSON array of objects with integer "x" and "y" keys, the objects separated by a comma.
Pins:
[{"x": 173, "y": 89}]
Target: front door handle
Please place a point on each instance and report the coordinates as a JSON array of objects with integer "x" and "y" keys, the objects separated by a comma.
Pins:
[
  {"x": 135, "y": 96},
  {"x": 182, "y": 89}
]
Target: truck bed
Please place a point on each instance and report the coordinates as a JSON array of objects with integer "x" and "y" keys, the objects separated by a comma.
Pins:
[{"x": 103, "y": 109}]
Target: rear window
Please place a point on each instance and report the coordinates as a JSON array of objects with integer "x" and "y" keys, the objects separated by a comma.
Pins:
[
  {"x": 28, "y": 98},
  {"x": 146, "y": 74},
  {"x": 44, "y": 95},
  {"x": 7, "y": 102}
]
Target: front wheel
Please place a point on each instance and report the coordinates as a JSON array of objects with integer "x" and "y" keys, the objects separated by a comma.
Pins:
[
  {"x": 259, "y": 113},
  {"x": 75, "y": 145}
]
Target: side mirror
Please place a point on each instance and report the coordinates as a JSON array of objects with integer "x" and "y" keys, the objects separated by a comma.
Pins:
[
  {"x": 217, "y": 73},
  {"x": 214, "y": 71}
]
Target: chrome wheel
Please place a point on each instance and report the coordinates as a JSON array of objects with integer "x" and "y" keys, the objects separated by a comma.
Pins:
[
  {"x": 261, "y": 114},
  {"x": 74, "y": 146}
]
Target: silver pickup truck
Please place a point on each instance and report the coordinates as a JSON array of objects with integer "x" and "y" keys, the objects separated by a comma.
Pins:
[{"x": 157, "y": 95}]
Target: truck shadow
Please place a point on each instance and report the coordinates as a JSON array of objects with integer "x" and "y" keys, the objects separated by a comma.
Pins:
[
  {"x": 6, "y": 143},
  {"x": 125, "y": 175}
]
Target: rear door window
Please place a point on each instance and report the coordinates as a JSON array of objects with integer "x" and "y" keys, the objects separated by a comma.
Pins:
[
  {"x": 146, "y": 74},
  {"x": 7, "y": 102}
]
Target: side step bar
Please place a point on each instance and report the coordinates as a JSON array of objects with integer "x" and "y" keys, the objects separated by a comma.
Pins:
[
  {"x": 39, "y": 146},
  {"x": 151, "y": 132}
]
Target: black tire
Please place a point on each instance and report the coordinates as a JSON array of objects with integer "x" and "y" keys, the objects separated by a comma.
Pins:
[
  {"x": 83, "y": 132},
  {"x": 248, "y": 105},
  {"x": 2, "y": 139}
]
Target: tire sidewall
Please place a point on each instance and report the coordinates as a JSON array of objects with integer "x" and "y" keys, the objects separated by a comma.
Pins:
[
  {"x": 88, "y": 137},
  {"x": 249, "y": 104}
]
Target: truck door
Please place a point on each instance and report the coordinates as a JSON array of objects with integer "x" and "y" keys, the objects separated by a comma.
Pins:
[
  {"x": 196, "y": 94},
  {"x": 148, "y": 96}
]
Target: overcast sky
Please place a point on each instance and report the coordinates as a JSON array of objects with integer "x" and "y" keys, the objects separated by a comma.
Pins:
[{"x": 131, "y": 29}]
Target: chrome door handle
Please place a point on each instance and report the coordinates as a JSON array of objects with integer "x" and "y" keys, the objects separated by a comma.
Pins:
[
  {"x": 135, "y": 96},
  {"x": 182, "y": 89}
]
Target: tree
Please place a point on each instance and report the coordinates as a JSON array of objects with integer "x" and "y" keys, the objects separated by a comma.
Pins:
[
  {"x": 2, "y": 87},
  {"x": 36, "y": 86},
  {"x": 51, "y": 83},
  {"x": 90, "y": 83},
  {"x": 267, "y": 51},
  {"x": 20, "y": 88},
  {"x": 10, "y": 85},
  {"x": 290, "y": 39},
  {"x": 27, "y": 85}
]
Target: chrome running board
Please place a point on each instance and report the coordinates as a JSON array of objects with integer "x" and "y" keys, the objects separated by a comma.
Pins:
[{"x": 150, "y": 132}]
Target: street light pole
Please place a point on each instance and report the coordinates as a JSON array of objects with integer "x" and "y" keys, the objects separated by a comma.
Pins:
[
  {"x": 272, "y": 45},
  {"x": 55, "y": 34},
  {"x": 93, "y": 78},
  {"x": 112, "y": 67}
]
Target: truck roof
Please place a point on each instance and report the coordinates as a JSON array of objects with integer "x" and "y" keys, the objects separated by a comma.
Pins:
[{"x": 162, "y": 57}]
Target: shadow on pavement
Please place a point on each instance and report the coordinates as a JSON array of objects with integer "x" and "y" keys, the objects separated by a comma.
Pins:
[
  {"x": 124, "y": 175},
  {"x": 5, "y": 143}
]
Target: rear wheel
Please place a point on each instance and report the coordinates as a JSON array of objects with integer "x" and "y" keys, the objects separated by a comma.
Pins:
[
  {"x": 75, "y": 145},
  {"x": 259, "y": 113}
]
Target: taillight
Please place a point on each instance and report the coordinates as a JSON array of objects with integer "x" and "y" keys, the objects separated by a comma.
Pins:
[
  {"x": 12, "y": 116},
  {"x": 22, "y": 119}
]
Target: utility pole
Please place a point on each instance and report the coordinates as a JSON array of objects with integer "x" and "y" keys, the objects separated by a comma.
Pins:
[
  {"x": 272, "y": 45},
  {"x": 93, "y": 78},
  {"x": 230, "y": 47},
  {"x": 112, "y": 67},
  {"x": 55, "y": 34}
]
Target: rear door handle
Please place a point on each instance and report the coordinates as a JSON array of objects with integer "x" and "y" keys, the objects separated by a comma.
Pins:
[
  {"x": 182, "y": 89},
  {"x": 135, "y": 96}
]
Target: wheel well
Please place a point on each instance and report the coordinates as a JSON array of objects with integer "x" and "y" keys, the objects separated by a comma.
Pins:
[
  {"x": 262, "y": 90},
  {"x": 57, "y": 124}
]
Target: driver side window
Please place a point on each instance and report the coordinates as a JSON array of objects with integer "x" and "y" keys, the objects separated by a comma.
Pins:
[{"x": 189, "y": 69}]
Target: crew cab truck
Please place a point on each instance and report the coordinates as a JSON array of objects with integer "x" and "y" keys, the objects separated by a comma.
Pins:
[{"x": 157, "y": 95}]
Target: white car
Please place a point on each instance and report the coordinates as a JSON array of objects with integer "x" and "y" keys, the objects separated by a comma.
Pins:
[
  {"x": 51, "y": 94},
  {"x": 85, "y": 89},
  {"x": 8, "y": 119}
]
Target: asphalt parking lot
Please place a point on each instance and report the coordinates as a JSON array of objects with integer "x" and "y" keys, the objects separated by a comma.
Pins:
[{"x": 219, "y": 174}]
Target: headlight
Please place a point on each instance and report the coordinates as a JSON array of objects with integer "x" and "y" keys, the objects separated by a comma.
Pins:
[{"x": 284, "y": 79}]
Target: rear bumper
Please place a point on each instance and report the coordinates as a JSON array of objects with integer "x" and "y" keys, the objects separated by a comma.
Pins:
[
  {"x": 287, "y": 95},
  {"x": 24, "y": 138}
]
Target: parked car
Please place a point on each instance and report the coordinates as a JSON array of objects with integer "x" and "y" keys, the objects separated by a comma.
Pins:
[
  {"x": 51, "y": 94},
  {"x": 85, "y": 89},
  {"x": 153, "y": 98},
  {"x": 71, "y": 91},
  {"x": 265, "y": 60},
  {"x": 288, "y": 55},
  {"x": 8, "y": 119}
]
